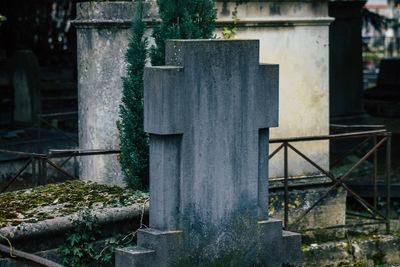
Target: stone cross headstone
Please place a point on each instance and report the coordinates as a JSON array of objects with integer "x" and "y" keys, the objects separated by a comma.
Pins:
[{"x": 208, "y": 113}]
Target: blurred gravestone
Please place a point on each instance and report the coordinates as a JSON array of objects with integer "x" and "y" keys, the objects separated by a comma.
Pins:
[
  {"x": 26, "y": 81},
  {"x": 208, "y": 113}
]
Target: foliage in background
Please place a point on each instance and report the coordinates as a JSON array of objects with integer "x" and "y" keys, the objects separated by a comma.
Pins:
[
  {"x": 182, "y": 19},
  {"x": 134, "y": 157}
]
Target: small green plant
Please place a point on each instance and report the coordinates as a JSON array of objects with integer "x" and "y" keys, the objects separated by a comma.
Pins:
[
  {"x": 231, "y": 30},
  {"x": 78, "y": 250}
]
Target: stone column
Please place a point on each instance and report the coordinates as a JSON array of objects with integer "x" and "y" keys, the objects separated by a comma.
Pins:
[
  {"x": 345, "y": 55},
  {"x": 103, "y": 30},
  {"x": 208, "y": 113}
]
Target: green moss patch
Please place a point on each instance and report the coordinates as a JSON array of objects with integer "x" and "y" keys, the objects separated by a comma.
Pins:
[{"x": 56, "y": 200}]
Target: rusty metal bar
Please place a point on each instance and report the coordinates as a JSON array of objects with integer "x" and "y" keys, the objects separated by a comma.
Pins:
[
  {"x": 286, "y": 173},
  {"x": 89, "y": 153},
  {"x": 388, "y": 179},
  {"x": 65, "y": 161},
  {"x": 18, "y": 153},
  {"x": 332, "y": 136},
  {"x": 14, "y": 159},
  {"x": 40, "y": 172},
  {"x": 43, "y": 178},
  {"x": 61, "y": 169},
  {"x": 354, "y": 149},
  {"x": 375, "y": 175},
  {"x": 275, "y": 151},
  {"x": 343, "y": 226},
  {"x": 365, "y": 204},
  {"x": 76, "y": 174},
  {"x": 356, "y": 126},
  {"x": 339, "y": 181},
  {"x": 16, "y": 176},
  {"x": 360, "y": 215},
  {"x": 27, "y": 257},
  {"x": 59, "y": 130},
  {"x": 58, "y": 114},
  {"x": 315, "y": 165},
  {"x": 33, "y": 165},
  {"x": 39, "y": 148}
]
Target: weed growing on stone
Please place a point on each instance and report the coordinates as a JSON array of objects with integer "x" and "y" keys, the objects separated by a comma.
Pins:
[{"x": 78, "y": 249}]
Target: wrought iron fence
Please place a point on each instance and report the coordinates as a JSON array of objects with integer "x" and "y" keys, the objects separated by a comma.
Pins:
[
  {"x": 40, "y": 161},
  {"x": 378, "y": 137}
]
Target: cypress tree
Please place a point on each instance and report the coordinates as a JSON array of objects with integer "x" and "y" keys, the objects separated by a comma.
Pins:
[
  {"x": 134, "y": 157},
  {"x": 182, "y": 19}
]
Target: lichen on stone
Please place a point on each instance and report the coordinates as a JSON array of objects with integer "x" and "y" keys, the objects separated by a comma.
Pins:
[{"x": 57, "y": 200}]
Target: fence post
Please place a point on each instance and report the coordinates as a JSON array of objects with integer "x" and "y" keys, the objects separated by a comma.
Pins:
[
  {"x": 388, "y": 179},
  {"x": 33, "y": 170},
  {"x": 38, "y": 135},
  {"x": 375, "y": 172},
  {"x": 286, "y": 197},
  {"x": 43, "y": 178}
]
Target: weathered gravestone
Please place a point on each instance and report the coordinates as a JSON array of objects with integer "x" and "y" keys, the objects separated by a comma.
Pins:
[
  {"x": 208, "y": 113},
  {"x": 26, "y": 82}
]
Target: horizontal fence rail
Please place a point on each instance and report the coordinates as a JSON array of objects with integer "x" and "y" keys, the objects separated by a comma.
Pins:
[{"x": 42, "y": 160}]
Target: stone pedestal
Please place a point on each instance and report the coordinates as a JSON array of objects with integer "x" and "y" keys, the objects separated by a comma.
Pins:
[
  {"x": 208, "y": 113},
  {"x": 103, "y": 30},
  {"x": 295, "y": 35}
]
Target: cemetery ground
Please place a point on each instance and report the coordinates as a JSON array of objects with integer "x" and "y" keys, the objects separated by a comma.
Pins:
[{"x": 29, "y": 213}]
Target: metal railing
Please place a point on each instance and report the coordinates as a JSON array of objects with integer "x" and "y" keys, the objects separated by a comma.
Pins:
[
  {"x": 338, "y": 181},
  {"x": 41, "y": 119},
  {"x": 42, "y": 160}
]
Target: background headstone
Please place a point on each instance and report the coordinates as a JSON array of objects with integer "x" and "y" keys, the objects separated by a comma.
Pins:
[
  {"x": 26, "y": 81},
  {"x": 345, "y": 63}
]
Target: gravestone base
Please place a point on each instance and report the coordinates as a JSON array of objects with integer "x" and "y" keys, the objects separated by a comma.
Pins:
[{"x": 167, "y": 248}]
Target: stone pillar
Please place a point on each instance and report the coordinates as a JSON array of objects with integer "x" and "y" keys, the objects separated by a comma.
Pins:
[
  {"x": 103, "y": 30},
  {"x": 208, "y": 113},
  {"x": 345, "y": 55},
  {"x": 295, "y": 35}
]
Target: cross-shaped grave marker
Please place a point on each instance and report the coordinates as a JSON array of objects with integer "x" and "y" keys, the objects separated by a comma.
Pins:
[{"x": 208, "y": 113}]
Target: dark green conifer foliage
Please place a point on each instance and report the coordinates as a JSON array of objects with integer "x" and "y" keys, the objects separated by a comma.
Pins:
[
  {"x": 182, "y": 19},
  {"x": 134, "y": 157}
]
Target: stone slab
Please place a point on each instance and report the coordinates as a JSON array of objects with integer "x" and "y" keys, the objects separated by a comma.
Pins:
[
  {"x": 291, "y": 244},
  {"x": 134, "y": 256}
]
